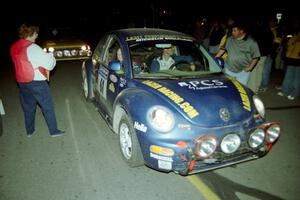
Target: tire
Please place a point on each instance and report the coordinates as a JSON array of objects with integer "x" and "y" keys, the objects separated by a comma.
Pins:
[
  {"x": 1, "y": 126},
  {"x": 85, "y": 85},
  {"x": 129, "y": 144}
]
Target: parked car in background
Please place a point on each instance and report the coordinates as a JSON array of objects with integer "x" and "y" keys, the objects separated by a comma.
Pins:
[
  {"x": 183, "y": 119},
  {"x": 66, "y": 45},
  {"x": 2, "y": 112}
]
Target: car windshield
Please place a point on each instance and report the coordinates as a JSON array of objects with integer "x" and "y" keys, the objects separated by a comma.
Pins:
[{"x": 160, "y": 59}]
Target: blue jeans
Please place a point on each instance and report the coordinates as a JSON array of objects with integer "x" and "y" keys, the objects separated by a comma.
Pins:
[
  {"x": 266, "y": 72},
  {"x": 33, "y": 94},
  {"x": 241, "y": 76},
  {"x": 291, "y": 81}
]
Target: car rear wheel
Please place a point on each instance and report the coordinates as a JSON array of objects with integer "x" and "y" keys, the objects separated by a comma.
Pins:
[
  {"x": 129, "y": 145},
  {"x": 1, "y": 127},
  {"x": 85, "y": 85}
]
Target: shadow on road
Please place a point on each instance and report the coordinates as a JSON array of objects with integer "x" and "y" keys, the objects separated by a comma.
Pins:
[
  {"x": 227, "y": 189},
  {"x": 283, "y": 107}
]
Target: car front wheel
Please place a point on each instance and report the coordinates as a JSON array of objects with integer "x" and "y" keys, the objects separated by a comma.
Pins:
[{"x": 129, "y": 145}]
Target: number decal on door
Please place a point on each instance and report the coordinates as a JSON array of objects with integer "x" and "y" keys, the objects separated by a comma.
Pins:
[{"x": 102, "y": 81}]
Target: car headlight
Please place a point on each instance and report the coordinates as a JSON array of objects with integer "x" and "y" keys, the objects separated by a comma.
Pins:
[
  {"x": 59, "y": 54},
  {"x": 51, "y": 49},
  {"x": 230, "y": 143},
  {"x": 161, "y": 118},
  {"x": 273, "y": 132},
  {"x": 256, "y": 138},
  {"x": 259, "y": 105},
  {"x": 205, "y": 146},
  {"x": 74, "y": 52},
  {"x": 85, "y": 47},
  {"x": 67, "y": 53}
]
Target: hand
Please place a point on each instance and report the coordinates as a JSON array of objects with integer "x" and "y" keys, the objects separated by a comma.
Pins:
[
  {"x": 193, "y": 67},
  {"x": 248, "y": 69}
]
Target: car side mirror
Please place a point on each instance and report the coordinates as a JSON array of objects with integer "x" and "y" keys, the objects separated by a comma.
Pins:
[
  {"x": 114, "y": 65},
  {"x": 220, "y": 61}
]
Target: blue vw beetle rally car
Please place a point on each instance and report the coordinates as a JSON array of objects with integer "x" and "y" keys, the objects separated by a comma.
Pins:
[{"x": 171, "y": 105}]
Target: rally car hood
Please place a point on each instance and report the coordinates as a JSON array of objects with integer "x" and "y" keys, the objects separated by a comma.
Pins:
[
  {"x": 211, "y": 102},
  {"x": 64, "y": 43}
]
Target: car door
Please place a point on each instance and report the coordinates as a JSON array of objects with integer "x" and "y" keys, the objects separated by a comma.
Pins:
[{"x": 108, "y": 81}]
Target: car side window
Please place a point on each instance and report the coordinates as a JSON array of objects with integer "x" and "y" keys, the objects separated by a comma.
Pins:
[
  {"x": 99, "y": 50},
  {"x": 110, "y": 51}
]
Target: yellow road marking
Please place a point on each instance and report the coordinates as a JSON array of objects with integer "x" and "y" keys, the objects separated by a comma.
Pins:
[{"x": 203, "y": 188}]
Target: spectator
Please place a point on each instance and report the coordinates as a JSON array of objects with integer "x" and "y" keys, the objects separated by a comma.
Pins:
[
  {"x": 201, "y": 32},
  {"x": 215, "y": 36},
  {"x": 291, "y": 82},
  {"x": 243, "y": 53},
  {"x": 264, "y": 37},
  {"x": 31, "y": 63},
  {"x": 228, "y": 31},
  {"x": 270, "y": 58}
]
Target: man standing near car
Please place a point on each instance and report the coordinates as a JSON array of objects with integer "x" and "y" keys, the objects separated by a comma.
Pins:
[
  {"x": 243, "y": 53},
  {"x": 31, "y": 64}
]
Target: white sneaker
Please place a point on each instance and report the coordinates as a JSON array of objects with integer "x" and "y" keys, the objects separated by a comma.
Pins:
[
  {"x": 291, "y": 98},
  {"x": 280, "y": 94}
]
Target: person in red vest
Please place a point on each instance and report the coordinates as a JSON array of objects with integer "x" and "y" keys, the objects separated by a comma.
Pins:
[{"x": 31, "y": 64}]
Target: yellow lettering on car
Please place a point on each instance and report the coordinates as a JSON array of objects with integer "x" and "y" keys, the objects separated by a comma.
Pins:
[
  {"x": 152, "y": 84},
  {"x": 185, "y": 106},
  {"x": 243, "y": 94},
  {"x": 111, "y": 87}
]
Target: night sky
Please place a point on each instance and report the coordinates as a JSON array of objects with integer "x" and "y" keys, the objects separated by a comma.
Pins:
[
  {"x": 92, "y": 19},
  {"x": 118, "y": 14}
]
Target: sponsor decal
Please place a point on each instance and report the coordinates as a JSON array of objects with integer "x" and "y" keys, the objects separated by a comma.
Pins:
[
  {"x": 103, "y": 72},
  {"x": 185, "y": 106},
  {"x": 158, "y": 157},
  {"x": 111, "y": 87},
  {"x": 210, "y": 160},
  {"x": 113, "y": 78},
  {"x": 140, "y": 127},
  {"x": 122, "y": 82},
  {"x": 203, "y": 84},
  {"x": 185, "y": 127},
  {"x": 164, "y": 165},
  {"x": 139, "y": 38},
  {"x": 102, "y": 81},
  {"x": 243, "y": 94}
]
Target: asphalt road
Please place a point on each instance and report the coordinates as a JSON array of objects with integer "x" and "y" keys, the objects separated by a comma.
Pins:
[{"x": 85, "y": 163}]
